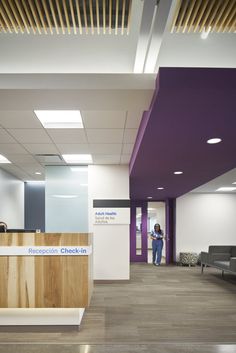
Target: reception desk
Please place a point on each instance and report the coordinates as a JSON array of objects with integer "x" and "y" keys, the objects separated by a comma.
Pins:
[{"x": 45, "y": 280}]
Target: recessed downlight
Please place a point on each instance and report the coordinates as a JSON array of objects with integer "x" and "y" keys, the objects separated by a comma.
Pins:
[
  {"x": 214, "y": 140},
  {"x": 178, "y": 172},
  {"x": 234, "y": 183},
  {"x": 205, "y": 33},
  {"x": 4, "y": 159},
  {"x": 226, "y": 188},
  {"x": 38, "y": 173},
  {"x": 160, "y": 188},
  {"x": 149, "y": 197}
]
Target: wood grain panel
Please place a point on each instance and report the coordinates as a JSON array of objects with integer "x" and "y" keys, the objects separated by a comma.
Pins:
[
  {"x": 204, "y": 15},
  {"x": 45, "y": 281}
]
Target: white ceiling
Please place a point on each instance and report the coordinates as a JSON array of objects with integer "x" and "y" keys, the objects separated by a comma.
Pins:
[
  {"x": 224, "y": 180},
  {"x": 95, "y": 74}
]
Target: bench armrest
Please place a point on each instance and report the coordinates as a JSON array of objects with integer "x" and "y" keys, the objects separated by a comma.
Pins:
[
  {"x": 204, "y": 257},
  {"x": 232, "y": 265}
]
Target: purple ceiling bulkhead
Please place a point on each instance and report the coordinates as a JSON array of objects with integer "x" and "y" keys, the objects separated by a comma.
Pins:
[{"x": 189, "y": 106}]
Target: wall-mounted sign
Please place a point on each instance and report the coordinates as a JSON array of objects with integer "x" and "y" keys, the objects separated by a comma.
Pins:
[
  {"x": 45, "y": 250},
  {"x": 111, "y": 216}
]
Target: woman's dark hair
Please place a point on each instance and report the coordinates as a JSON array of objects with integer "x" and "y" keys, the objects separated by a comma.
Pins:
[{"x": 157, "y": 225}]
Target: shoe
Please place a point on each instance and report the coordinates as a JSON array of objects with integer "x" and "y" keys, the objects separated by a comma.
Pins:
[{"x": 157, "y": 264}]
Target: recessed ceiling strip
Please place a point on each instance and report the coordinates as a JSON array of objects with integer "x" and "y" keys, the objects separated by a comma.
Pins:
[
  {"x": 123, "y": 17},
  {"x": 98, "y": 20},
  {"x": 2, "y": 24},
  {"x": 35, "y": 16},
  {"x": 85, "y": 17},
  {"x": 79, "y": 16},
  {"x": 41, "y": 16},
  {"x": 91, "y": 16},
  {"x": 4, "y": 16},
  {"x": 129, "y": 17},
  {"x": 66, "y": 16},
  {"x": 225, "y": 16},
  {"x": 188, "y": 15},
  {"x": 10, "y": 15},
  {"x": 110, "y": 15},
  {"x": 60, "y": 17},
  {"x": 219, "y": 14},
  {"x": 199, "y": 15},
  {"x": 181, "y": 15},
  {"x": 17, "y": 17},
  {"x": 203, "y": 23},
  {"x": 47, "y": 16},
  {"x": 117, "y": 12},
  {"x": 54, "y": 16},
  {"x": 104, "y": 16},
  {"x": 73, "y": 17}
]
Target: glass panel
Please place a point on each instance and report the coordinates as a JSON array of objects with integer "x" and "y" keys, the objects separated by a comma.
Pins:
[
  {"x": 66, "y": 199},
  {"x": 138, "y": 231},
  {"x": 156, "y": 214}
]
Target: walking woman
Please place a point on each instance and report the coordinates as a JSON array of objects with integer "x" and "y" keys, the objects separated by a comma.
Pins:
[{"x": 157, "y": 244}]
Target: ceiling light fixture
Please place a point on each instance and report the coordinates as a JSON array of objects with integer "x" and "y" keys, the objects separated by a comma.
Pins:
[
  {"x": 205, "y": 33},
  {"x": 149, "y": 197},
  {"x": 77, "y": 158},
  {"x": 234, "y": 182},
  {"x": 60, "y": 119},
  {"x": 226, "y": 188},
  {"x": 178, "y": 172},
  {"x": 38, "y": 173},
  {"x": 4, "y": 159},
  {"x": 214, "y": 140},
  {"x": 160, "y": 188}
]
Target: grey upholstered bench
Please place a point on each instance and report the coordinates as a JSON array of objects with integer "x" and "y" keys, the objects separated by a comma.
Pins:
[{"x": 222, "y": 257}]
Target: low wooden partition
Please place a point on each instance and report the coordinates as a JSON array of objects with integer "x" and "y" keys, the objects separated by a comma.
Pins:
[{"x": 45, "y": 281}]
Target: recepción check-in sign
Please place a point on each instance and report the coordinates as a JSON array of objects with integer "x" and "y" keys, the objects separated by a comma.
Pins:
[{"x": 45, "y": 250}]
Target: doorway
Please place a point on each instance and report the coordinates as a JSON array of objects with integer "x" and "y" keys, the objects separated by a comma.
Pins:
[{"x": 143, "y": 217}]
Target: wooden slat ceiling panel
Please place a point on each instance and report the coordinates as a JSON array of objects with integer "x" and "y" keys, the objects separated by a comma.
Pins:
[
  {"x": 204, "y": 15},
  {"x": 65, "y": 16}
]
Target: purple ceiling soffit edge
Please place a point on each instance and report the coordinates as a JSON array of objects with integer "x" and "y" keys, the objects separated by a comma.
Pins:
[
  {"x": 142, "y": 127},
  {"x": 189, "y": 106}
]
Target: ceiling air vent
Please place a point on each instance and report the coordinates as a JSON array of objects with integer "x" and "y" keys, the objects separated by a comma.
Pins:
[
  {"x": 204, "y": 15},
  {"x": 65, "y": 16},
  {"x": 49, "y": 158}
]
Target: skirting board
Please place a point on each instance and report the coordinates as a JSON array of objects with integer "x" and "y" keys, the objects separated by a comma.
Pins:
[{"x": 47, "y": 316}]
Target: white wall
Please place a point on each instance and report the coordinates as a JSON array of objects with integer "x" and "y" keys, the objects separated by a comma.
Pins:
[
  {"x": 203, "y": 220},
  {"x": 12, "y": 200},
  {"x": 111, "y": 242}
]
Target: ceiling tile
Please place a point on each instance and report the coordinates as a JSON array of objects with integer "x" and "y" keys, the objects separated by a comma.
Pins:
[
  {"x": 130, "y": 135},
  {"x": 68, "y": 135},
  {"x": 19, "y": 119},
  {"x": 21, "y": 159},
  {"x": 14, "y": 170},
  {"x": 133, "y": 119},
  {"x": 105, "y": 135},
  {"x": 37, "y": 148},
  {"x": 30, "y": 135},
  {"x": 72, "y": 148},
  {"x": 32, "y": 168},
  {"x": 5, "y": 137},
  {"x": 125, "y": 158},
  {"x": 12, "y": 148},
  {"x": 106, "y": 159},
  {"x": 106, "y": 148},
  {"x": 104, "y": 119},
  {"x": 127, "y": 148}
]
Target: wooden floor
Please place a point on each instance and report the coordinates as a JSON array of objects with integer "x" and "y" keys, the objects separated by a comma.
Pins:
[{"x": 175, "y": 308}]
